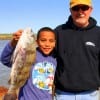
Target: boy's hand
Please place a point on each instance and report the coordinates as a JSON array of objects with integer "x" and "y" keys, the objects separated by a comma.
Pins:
[
  {"x": 10, "y": 97},
  {"x": 16, "y": 37}
]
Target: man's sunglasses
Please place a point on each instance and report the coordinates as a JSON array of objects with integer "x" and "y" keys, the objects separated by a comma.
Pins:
[{"x": 83, "y": 8}]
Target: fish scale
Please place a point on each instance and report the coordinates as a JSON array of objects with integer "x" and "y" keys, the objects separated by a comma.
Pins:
[{"x": 23, "y": 58}]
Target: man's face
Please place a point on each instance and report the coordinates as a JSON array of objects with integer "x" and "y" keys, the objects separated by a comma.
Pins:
[{"x": 80, "y": 15}]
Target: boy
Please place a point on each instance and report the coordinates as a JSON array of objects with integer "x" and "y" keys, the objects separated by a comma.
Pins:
[{"x": 39, "y": 84}]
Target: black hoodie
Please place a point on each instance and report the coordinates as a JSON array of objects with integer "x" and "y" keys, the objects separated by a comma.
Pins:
[{"x": 78, "y": 57}]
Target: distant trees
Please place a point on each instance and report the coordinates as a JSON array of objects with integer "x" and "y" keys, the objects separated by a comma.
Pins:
[{"x": 5, "y": 36}]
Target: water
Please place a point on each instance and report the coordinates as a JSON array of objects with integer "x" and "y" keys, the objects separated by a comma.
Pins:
[{"x": 4, "y": 70}]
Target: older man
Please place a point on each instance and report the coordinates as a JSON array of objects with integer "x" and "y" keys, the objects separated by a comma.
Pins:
[{"x": 78, "y": 55}]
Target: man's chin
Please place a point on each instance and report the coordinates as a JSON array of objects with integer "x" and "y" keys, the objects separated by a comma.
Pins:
[{"x": 80, "y": 22}]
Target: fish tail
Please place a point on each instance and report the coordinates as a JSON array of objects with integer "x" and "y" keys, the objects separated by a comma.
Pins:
[{"x": 12, "y": 89}]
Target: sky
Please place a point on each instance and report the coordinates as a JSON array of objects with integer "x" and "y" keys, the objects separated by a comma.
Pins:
[{"x": 20, "y": 14}]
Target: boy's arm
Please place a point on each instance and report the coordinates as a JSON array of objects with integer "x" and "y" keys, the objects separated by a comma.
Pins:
[{"x": 7, "y": 54}]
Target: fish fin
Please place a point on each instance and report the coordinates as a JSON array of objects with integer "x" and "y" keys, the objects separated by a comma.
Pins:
[
  {"x": 13, "y": 58},
  {"x": 9, "y": 81}
]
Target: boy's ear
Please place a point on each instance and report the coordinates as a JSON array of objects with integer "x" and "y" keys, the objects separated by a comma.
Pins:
[{"x": 36, "y": 42}]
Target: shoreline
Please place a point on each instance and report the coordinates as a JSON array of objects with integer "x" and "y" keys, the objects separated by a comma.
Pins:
[
  {"x": 5, "y": 36},
  {"x": 8, "y": 36}
]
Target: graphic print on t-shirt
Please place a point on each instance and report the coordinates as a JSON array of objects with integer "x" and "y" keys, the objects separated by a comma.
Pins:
[{"x": 43, "y": 75}]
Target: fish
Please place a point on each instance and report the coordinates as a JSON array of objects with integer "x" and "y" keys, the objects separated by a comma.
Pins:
[{"x": 23, "y": 57}]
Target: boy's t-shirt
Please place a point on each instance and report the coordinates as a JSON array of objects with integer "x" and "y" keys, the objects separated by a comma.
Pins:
[{"x": 39, "y": 84}]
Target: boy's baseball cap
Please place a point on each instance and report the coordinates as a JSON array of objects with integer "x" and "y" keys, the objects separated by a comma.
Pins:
[{"x": 78, "y": 2}]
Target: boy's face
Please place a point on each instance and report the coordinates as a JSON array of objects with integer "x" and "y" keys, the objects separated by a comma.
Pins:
[{"x": 46, "y": 42}]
